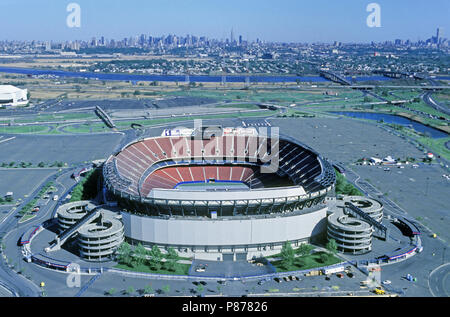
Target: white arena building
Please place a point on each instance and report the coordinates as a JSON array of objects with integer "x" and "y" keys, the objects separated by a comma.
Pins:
[{"x": 13, "y": 96}]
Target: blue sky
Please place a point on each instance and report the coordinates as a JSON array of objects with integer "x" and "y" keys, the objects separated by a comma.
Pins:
[{"x": 270, "y": 20}]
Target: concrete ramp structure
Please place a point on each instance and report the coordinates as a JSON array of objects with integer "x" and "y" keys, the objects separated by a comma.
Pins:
[{"x": 98, "y": 231}]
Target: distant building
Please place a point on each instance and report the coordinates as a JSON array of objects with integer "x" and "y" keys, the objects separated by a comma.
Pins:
[{"x": 13, "y": 96}]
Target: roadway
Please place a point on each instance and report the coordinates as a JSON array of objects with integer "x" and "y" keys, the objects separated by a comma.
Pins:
[
  {"x": 439, "y": 281},
  {"x": 10, "y": 230},
  {"x": 427, "y": 97},
  {"x": 17, "y": 282}
]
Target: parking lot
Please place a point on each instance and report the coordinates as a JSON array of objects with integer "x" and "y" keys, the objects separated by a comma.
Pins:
[
  {"x": 51, "y": 148},
  {"x": 22, "y": 181}
]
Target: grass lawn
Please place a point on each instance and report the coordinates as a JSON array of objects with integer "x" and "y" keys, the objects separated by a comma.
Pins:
[
  {"x": 306, "y": 262},
  {"x": 180, "y": 269},
  {"x": 23, "y": 129},
  {"x": 255, "y": 95},
  {"x": 59, "y": 117},
  {"x": 240, "y": 106},
  {"x": 123, "y": 125},
  {"x": 436, "y": 145},
  {"x": 86, "y": 128},
  {"x": 27, "y": 217}
]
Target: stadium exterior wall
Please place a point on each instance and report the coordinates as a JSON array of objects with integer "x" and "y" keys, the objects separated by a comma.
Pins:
[{"x": 211, "y": 238}]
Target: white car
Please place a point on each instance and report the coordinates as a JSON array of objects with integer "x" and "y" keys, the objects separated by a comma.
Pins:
[{"x": 386, "y": 282}]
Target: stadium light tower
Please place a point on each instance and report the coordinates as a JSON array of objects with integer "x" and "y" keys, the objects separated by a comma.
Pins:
[
  {"x": 247, "y": 78},
  {"x": 224, "y": 77},
  {"x": 187, "y": 79}
]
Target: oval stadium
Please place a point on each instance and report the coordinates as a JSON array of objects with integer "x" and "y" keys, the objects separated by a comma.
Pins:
[{"x": 220, "y": 193}]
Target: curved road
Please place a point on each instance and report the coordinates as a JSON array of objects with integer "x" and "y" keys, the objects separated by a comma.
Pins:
[
  {"x": 427, "y": 97},
  {"x": 17, "y": 284},
  {"x": 439, "y": 281}
]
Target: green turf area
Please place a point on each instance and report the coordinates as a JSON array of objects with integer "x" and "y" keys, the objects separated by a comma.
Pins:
[
  {"x": 27, "y": 217},
  {"x": 239, "y": 106},
  {"x": 56, "y": 117},
  {"x": 442, "y": 97},
  {"x": 8, "y": 201},
  {"x": 23, "y": 129},
  {"x": 86, "y": 128},
  {"x": 180, "y": 269},
  {"x": 307, "y": 262},
  {"x": 292, "y": 112},
  {"x": 275, "y": 95},
  {"x": 124, "y": 125},
  {"x": 436, "y": 145},
  {"x": 422, "y": 106}
]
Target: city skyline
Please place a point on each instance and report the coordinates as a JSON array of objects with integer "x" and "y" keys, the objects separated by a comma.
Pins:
[{"x": 291, "y": 21}]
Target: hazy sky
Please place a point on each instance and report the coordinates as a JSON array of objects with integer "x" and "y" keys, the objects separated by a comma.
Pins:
[{"x": 269, "y": 20}]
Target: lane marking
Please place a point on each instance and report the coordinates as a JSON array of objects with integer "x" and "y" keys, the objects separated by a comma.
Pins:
[{"x": 5, "y": 140}]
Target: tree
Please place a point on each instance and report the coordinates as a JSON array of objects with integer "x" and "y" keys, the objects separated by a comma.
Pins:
[
  {"x": 200, "y": 288},
  {"x": 172, "y": 259},
  {"x": 112, "y": 291},
  {"x": 140, "y": 254},
  {"x": 155, "y": 258},
  {"x": 287, "y": 255},
  {"x": 166, "y": 288},
  {"x": 130, "y": 290},
  {"x": 123, "y": 253},
  {"x": 324, "y": 257},
  {"x": 304, "y": 249},
  {"x": 148, "y": 289},
  {"x": 332, "y": 246}
]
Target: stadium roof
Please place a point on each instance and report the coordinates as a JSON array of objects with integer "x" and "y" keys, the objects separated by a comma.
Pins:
[{"x": 7, "y": 89}]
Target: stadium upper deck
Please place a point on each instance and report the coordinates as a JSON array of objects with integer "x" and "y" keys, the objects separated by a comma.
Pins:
[{"x": 263, "y": 163}]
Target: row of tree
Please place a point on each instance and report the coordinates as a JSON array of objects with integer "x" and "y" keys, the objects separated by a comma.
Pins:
[
  {"x": 87, "y": 188},
  {"x": 289, "y": 255},
  {"x": 141, "y": 256},
  {"x": 343, "y": 187},
  {"x": 29, "y": 164}
]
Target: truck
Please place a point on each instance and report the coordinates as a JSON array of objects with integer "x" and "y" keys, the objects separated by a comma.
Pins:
[{"x": 333, "y": 270}]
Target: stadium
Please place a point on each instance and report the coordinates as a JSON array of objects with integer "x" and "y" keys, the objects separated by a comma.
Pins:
[{"x": 219, "y": 193}]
